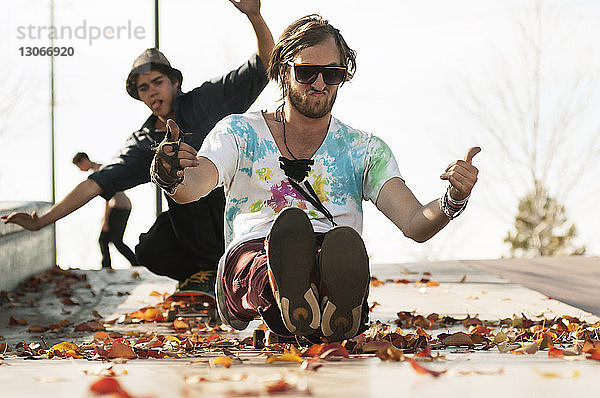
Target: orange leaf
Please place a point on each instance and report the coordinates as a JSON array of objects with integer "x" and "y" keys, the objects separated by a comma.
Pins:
[
  {"x": 425, "y": 353},
  {"x": 180, "y": 324},
  {"x": 37, "y": 329},
  {"x": 278, "y": 387},
  {"x": 222, "y": 360},
  {"x": 108, "y": 385},
  {"x": 334, "y": 350},
  {"x": 555, "y": 352},
  {"x": 101, "y": 335},
  {"x": 433, "y": 283},
  {"x": 402, "y": 281},
  {"x": 594, "y": 354},
  {"x": 286, "y": 357},
  {"x": 153, "y": 314},
  {"x": 424, "y": 371}
]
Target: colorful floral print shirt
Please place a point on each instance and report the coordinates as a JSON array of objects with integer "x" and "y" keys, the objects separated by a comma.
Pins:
[{"x": 350, "y": 166}]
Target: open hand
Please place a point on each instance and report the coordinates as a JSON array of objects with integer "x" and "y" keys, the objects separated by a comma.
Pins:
[
  {"x": 28, "y": 221},
  {"x": 248, "y": 7},
  {"x": 462, "y": 175}
]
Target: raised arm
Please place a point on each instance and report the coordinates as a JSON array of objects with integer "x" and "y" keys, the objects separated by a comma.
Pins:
[
  {"x": 80, "y": 195},
  {"x": 264, "y": 38},
  {"x": 420, "y": 222},
  {"x": 174, "y": 160}
]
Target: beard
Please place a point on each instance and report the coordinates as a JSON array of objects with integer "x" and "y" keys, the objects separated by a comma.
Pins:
[{"x": 313, "y": 109}]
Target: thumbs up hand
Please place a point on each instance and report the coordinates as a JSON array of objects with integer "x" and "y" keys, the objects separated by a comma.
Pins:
[{"x": 462, "y": 175}]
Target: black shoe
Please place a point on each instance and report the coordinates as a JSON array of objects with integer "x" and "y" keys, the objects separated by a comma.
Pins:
[
  {"x": 344, "y": 271},
  {"x": 291, "y": 254},
  {"x": 200, "y": 282}
]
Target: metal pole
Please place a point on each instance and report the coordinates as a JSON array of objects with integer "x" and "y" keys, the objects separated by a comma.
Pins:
[
  {"x": 52, "y": 138},
  {"x": 157, "y": 191}
]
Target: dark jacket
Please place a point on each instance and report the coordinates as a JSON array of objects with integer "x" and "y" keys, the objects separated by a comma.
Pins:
[
  {"x": 196, "y": 112},
  {"x": 197, "y": 226}
]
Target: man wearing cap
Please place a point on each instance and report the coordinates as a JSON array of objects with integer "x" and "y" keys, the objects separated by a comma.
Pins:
[{"x": 186, "y": 241}]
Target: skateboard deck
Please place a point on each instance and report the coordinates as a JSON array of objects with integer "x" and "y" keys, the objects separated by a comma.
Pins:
[{"x": 192, "y": 304}]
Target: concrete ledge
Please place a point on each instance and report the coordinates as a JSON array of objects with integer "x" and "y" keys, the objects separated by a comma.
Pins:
[{"x": 22, "y": 252}]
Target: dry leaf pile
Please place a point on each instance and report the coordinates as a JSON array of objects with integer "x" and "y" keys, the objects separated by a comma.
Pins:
[{"x": 414, "y": 338}]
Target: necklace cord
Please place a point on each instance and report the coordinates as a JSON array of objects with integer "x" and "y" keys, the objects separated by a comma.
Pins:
[{"x": 297, "y": 170}]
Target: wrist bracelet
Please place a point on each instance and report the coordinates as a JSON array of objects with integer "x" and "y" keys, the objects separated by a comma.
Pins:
[{"x": 450, "y": 207}]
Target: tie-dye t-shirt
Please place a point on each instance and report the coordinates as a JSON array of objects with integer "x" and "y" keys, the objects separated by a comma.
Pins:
[{"x": 350, "y": 166}]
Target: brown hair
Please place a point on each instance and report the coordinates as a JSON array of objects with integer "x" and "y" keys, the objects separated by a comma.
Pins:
[
  {"x": 79, "y": 156},
  {"x": 172, "y": 74},
  {"x": 305, "y": 32}
]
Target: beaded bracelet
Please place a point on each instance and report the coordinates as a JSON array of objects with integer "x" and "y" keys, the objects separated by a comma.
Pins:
[{"x": 450, "y": 207}]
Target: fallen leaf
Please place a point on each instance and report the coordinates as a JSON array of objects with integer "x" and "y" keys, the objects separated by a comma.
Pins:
[
  {"x": 423, "y": 370},
  {"x": 37, "y": 329},
  {"x": 376, "y": 282},
  {"x": 278, "y": 387},
  {"x": 458, "y": 339},
  {"x": 390, "y": 354},
  {"x": 68, "y": 301},
  {"x": 285, "y": 357},
  {"x": 121, "y": 350},
  {"x": 433, "y": 283},
  {"x": 375, "y": 304},
  {"x": 13, "y": 321},
  {"x": 180, "y": 324},
  {"x": 554, "y": 375},
  {"x": 91, "y": 326},
  {"x": 500, "y": 337},
  {"x": 222, "y": 360},
  {"x": 463, "y": 279},
  {"x": 135, "y": 275},
  {"x": 377, "y": 345},
  {"x": 554, "y": 352},
  {"x": 527, "y": 348},
  {"x": 101, "y": 335},
  {"x": 403, "y": 281},
  {"x": 594, "y": 354},
  {"x": 109, "y": 385}
]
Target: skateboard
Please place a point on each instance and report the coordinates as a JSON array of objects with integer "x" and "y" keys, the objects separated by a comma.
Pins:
[{"x": 192, "y": 304}]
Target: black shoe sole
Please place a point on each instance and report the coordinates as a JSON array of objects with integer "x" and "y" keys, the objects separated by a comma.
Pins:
[
  {"x": 344, "y": 268},
  {"x": 291, "y": 252}
]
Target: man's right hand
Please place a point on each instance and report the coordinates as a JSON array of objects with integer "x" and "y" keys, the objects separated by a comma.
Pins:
[{"x": 28, "y": 221}]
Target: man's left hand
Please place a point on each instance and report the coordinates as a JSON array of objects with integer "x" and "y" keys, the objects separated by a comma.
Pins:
[
  {"x": 248, "y": 7},
  {"x": 462, "y": 175}
]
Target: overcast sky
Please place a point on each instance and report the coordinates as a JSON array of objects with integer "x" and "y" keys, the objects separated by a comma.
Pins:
[{"x": 413, "y": 58}]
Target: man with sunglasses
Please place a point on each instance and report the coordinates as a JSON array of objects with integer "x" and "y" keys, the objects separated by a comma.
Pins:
[
  {"x": 186, "y": 241},
  {"x": 295, "y": 180}
]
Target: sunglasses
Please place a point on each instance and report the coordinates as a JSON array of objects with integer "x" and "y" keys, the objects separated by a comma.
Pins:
[{"x": 308, "y": 73}]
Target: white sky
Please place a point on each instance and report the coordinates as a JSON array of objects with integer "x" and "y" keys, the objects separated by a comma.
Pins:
[{"x": 411, "y": 54}]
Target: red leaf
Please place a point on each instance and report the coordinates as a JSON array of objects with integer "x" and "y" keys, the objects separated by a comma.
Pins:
[
  {"x": 424, "y": 371},
  {"x": 594, "y": 354},
  {"x": 555, "y": 352},
  {"x": 425, "y": 353},
  {"x": 108, "y": 385},
  {"x": 91, "y": 326}
]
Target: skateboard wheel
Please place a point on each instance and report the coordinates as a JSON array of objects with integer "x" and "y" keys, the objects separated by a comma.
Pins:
[{"x": 258, "y": 338}]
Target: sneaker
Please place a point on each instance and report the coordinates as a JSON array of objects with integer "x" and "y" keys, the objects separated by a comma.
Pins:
[
  {"x": 224, "y": 315},
  {"x": 201, "y": 281},
  {"x": 344, "y": 271},
  {"x": 291, "y": 254}
]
